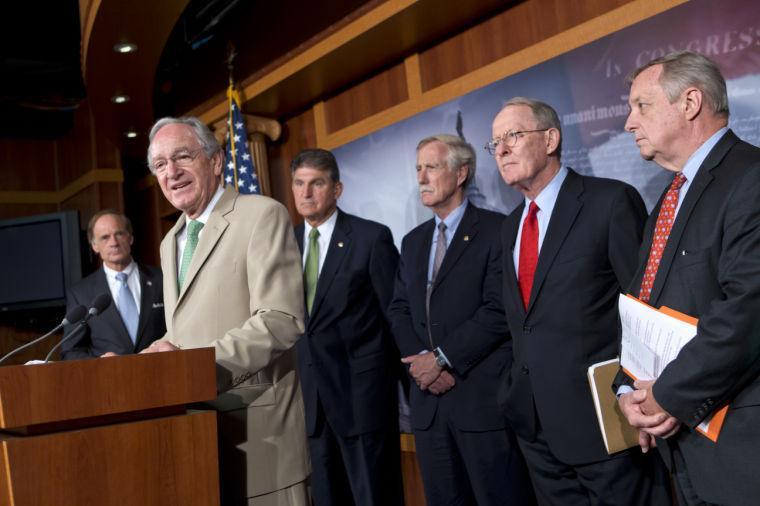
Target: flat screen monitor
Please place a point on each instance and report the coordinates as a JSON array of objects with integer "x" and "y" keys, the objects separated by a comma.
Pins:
[{"x": 39, "y": 260}]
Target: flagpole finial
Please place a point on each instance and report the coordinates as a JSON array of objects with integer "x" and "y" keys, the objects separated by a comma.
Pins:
[{"x": 231, "y": 54}]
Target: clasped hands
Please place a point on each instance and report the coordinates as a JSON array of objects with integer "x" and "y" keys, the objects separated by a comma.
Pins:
[
  {"x": 644, "y": 413},
  {"x": 428, "y": 374}
]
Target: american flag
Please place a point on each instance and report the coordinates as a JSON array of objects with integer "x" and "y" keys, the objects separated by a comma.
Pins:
[{"x": 239, "y": 170}]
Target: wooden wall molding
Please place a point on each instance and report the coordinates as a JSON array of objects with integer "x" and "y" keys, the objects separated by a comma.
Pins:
[
  {"x": 56, "y": 197},
  {"x": 324, "y": 47},
  {"x": 420, "y": 101}
]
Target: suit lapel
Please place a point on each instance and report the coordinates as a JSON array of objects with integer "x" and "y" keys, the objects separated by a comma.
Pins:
[
  {"x": 146, "y": 302},
  {"x": 340, "y": 242},
  {"x": 466, "y": 232},
  {"x": 169, "y": 252},
  {"x": 701, "y": 181},
  {"x": 565, "y": 211},
  {"x": 211, "y": 233},
  {"x": 422, "y": 261},
  {"x": 511, "y": 228}
]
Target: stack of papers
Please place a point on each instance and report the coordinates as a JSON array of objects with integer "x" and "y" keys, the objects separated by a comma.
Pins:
[{"x": 652, "y": 338}]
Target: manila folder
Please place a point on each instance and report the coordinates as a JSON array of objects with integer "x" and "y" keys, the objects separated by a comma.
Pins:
[{"x": 617, "y": 433}]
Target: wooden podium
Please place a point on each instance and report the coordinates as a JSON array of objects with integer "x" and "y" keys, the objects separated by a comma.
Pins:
[{"x": 109, "y": 431}]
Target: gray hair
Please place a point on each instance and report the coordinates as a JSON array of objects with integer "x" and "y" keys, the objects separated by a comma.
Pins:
[
  {"x": 203, "y": 133},
  {"x": 543, "y": 113},
  {"x": 461, "y": 153},
  {"x": 683, "y": 69}
]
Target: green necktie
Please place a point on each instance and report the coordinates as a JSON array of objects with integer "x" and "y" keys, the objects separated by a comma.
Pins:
[
  {"x": 311, "y": 271},
  {"x": 193, "y": 229}
]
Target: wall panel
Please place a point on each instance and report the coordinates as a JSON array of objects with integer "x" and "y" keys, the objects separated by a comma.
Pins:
[
  {"x": 27, "y": 164},
  {"x": 380, "y": 92},
  {"x": 517, "y": 28},
  {"x": 299, "y": 133}
]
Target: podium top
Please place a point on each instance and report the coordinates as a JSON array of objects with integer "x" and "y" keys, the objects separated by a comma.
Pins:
[{"x": 59, "y": 391}]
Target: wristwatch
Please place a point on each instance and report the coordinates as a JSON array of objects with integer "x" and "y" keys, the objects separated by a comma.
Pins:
[{"x": 439, "y": 358}]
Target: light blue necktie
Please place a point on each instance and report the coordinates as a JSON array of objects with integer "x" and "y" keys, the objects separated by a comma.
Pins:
[{"x": 127, "y": 307}]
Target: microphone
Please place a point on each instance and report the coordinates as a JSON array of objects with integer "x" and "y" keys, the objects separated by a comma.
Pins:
[
  {"x": 97, "y": 306},
  {"x": 76, "y": 314}
]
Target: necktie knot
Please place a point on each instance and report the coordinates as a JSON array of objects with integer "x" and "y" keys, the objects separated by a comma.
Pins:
[
  {"x": 678, "y": 182},
  {"x": 193, "y": 229},
  {"x": 313, "y": 235},
  {"x": 121, "y": 277},
  {"x": 533, "y": 209}
]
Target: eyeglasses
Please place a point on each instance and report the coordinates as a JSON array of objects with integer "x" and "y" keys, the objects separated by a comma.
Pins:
[
  {"x": 181, "y": 159},
  {"x": 509, "y": 139}
]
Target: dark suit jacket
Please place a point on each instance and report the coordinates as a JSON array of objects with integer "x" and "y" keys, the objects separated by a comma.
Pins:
[
  {"x": 588, "y": 256},
  {"x": 466, "y": 318},
  {"x": 710, "y": 269},
  {"x": 346, "y": 357},
  {"x": 106, "y": 332}
]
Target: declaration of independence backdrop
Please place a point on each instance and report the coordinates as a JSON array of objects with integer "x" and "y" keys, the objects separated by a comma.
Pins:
[{"x": 586, "y": 87}]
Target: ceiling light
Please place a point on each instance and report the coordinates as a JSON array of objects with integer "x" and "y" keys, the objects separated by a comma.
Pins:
[
  {"x": 120, "y": 99},
  {"x": 130, "y": 134},
  {"x": 125, "y": 47}
]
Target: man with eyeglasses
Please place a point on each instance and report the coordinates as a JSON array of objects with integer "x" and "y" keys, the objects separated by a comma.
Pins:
[
  {"x": 448, "y": 322},
  {"x": 136, "y": 318},
  {"x": 232, "y": 281},
  {"x": 569, "y": 250}
]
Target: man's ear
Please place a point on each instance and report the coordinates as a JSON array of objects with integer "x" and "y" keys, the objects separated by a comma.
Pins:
[
  {"x": 552, "y": 141},
  {"x": 692, "y": 103}
]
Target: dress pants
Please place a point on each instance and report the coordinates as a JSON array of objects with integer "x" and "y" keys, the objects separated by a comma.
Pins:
[
  {"x": 463, "y": 468},
  {"x": 627, "y": 478},
  {"x": 360, "y": 470}
]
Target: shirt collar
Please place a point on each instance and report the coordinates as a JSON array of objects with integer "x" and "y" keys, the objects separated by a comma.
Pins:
[
  {"x": 325, "y": 228},
  {"x": 203, "y": 218},
  {"x": 111, "y": 274},
  {"x": 454, "y": 217},
  {"x": 698, "y": 157},
  {"x": 548, "y": 196}
]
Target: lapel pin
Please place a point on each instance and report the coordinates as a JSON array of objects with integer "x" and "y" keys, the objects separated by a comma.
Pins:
[
  {"x": 149, "y": 283},
  {"x": 467, "y": 238},
  {"x": 340, "y": 244}
]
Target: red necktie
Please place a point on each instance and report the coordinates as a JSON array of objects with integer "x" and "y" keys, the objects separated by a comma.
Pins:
[
  {"x": 528, "y": 253},
  {"x": 661, "y": 232}
]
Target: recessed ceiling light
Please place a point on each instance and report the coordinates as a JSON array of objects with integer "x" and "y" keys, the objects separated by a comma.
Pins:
[
  {"x": 125, "y": 47},
  {"x": 131, "y": 134},
  {"x": 120, "y": 99}
]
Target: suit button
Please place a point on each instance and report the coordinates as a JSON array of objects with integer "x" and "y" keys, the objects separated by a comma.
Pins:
[
  {"x": 710, "y": 402},
  {"x": 525, "y": 369},
  {"x": 527, "y": 329}
]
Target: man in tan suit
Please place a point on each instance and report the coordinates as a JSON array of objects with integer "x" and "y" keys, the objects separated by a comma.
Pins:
[{"x": 232, "y": 280}]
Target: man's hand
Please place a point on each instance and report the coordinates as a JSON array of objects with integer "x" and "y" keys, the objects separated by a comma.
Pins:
[
  {"x": 109, "y": 354},
  {"x": 423, "y": 368},
  {"x": 642, "y": 412},
  {"x": 159, "y": 346},
  {"x": 650, "y": 406},
  {"x": 443, "y": 384}
]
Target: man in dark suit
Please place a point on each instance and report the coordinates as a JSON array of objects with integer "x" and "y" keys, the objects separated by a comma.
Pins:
[
  {"x": 569, "y": 248},
  {"x": 700, "y": 256},
  {"x": 346, "y": 357},
  {"x": 136, "y": 317},
  {"x": 448, "y": 321}
]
